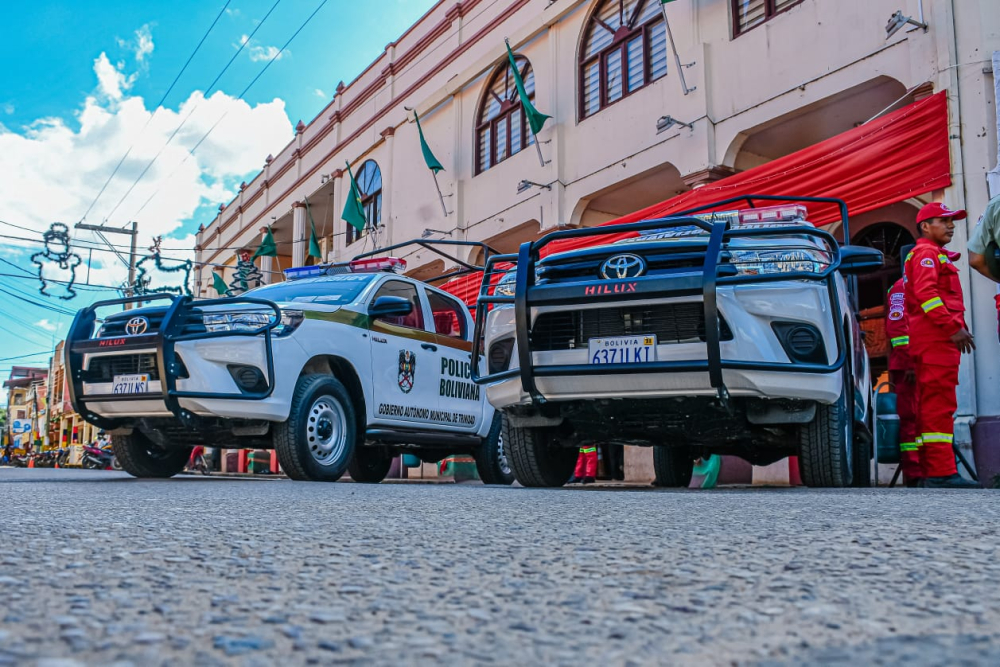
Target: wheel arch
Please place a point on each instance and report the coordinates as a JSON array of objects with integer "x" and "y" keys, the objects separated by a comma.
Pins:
[{"x": 343, "y": 370}]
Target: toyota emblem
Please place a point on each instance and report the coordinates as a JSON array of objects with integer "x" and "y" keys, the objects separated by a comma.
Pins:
[
  {"x": 623, "y": 266},
  {"x": 136, "y": 326}
]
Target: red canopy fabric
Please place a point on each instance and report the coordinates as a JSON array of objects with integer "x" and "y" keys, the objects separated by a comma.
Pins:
[{"x": 885, "y": 161}]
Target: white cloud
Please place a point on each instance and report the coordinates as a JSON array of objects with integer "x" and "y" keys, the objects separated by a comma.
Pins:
[
  {"x": 260, "y": 53},
  {"x": 54, "y": 169},
  {"x": 47, "y": 325},
  {"x": 7, "y": 108},
  {"x": 320, "y": 93},
  {"x": 142, "y": 44}
]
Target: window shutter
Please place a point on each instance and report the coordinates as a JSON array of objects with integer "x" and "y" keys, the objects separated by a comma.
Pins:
[
  {"x": 636, "y": 66},
  {"x": 658, "y": 50},
  {"x": 614, "y": 76},
  {"x": 749, "y": 13}
]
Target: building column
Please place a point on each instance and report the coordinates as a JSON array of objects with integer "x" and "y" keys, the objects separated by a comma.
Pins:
[
  {"x": 337, "y": 176},
  {"x": 298, "y": 234},
  {"x": 265, "y": 262},
  {"x": 388, "y": 134}
]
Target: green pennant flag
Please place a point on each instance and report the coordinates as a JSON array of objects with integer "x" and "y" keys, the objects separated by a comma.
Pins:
[
  {"x": 267, "y": 248},
  {"x": 218, "y": 284},
  {"x": 536, "y": 119},
  {"x": 354, "y": 212},
  {"x": 429, "y": 159},
  {"x": 314, "y": 250},
  {"x": 663, "y": 2}
]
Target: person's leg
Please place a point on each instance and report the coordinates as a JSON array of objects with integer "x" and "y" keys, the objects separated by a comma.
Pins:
[
  {"x": 906, "y": 408},
  {"x": 937, "y": 402},
  {"x": 580, "y": 470},
  {"x": 590, "y": 463}
]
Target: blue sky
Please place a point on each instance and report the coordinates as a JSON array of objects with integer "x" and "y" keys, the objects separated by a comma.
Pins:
[{"x": 81, "y": 84}]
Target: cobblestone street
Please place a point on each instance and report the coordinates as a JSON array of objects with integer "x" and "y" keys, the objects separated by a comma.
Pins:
[{"x": 101, "y": 568}]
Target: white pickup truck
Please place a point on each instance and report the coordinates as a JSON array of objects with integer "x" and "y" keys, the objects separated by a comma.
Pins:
[
  {"x": 722, "y": 333},
  {"x": 339, "y": 368}
]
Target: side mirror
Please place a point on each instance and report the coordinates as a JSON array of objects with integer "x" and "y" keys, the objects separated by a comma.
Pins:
[
  {"x": 390, "y": 306},
  {"x": 856, "y": 259}
]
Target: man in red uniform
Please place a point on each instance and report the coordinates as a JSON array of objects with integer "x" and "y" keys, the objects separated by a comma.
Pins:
[
  {"x": 902, "y": 375},
  {"x": 586, "y": 466},
  {"x": 935, "y": 313}
]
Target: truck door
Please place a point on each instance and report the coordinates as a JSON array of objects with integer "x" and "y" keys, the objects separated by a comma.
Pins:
[
  {"x": 460, "y": 400},
  {"x": 404, "y": 362}
]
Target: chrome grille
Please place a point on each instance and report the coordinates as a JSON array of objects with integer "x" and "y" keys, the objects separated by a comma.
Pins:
[{"x": 670, "y": 323}]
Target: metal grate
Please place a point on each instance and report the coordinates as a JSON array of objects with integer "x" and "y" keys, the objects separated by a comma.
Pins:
[
  {"x": 671, "y": 323},
  {"x": 104, "y": 369}
]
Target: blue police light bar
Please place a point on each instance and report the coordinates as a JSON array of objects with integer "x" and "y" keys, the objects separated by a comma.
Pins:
[{"x": 300, "y": 272}]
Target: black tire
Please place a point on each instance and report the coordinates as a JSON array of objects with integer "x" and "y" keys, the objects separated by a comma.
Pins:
[
  {"x": 300, "y": 440},
  {"x": 492, "y": 459},
  {"x": 534, "y": 459},
  {"x": 673, "y": 466},
  {"x": 141, "y": 457},
  {"x": 826, "y": 444},
  {"x": 862, "y": 465},
  {"x": 369, "y": 465}
]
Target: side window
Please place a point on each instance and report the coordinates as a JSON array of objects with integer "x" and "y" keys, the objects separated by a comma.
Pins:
[
  {"x": 449, "y": 316},
  {"x": 415, "y": 320}
]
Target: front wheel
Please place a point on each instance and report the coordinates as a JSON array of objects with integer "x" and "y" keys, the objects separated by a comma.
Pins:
[
  {"x": 318, "y": 439},
  {"x": 826, "y": 454},
  {"x": 491, "y": 457},
  {"x": 140, "y": 457},
  {"x": 535, "y": 459},
  {"x": 369, "y": 465}
]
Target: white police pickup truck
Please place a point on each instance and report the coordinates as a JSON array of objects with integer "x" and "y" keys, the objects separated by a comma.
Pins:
[
  {"x": 339, "y": 368},
  {"x": 724, "y": 333}
]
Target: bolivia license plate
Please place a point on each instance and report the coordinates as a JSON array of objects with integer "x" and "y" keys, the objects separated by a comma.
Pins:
[
  {"x": 622, "y": 350},
  {"x": 131, "y": 384}
]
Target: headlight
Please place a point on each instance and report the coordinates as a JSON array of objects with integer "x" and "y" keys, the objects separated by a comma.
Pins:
[
  {"x": 760, "y": 262},
  {"x": 215, "y": 322},
  {"x": 506, "y": 286},
  {"x": 290, "y": 321}
]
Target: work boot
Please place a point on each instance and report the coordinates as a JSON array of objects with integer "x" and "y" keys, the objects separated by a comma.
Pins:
[
  {"x": 954, "y": 481},
  {"x": 915, "y": 483},
  {"x": 587, "y": 480},
  {"x": 574, "y": 480}
]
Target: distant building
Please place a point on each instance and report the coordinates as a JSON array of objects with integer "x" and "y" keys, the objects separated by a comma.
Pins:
[{"x": 25, "y": 405}]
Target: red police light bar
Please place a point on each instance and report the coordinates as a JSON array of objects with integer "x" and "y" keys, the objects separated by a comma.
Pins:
[
  {"x": 370, "y": 264},
  {"x": 767, "y": 214}
]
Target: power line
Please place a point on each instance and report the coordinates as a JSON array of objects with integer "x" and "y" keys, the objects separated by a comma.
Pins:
[
  {"x": 240, "y": 97},
  {"x": 25, "y": 356},
  {"x": 159, "y": 105},
  {"x": 191, "y": 112}
]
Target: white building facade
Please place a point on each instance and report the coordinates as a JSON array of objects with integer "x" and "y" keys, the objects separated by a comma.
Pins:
[{"x": 761, "y": 80}]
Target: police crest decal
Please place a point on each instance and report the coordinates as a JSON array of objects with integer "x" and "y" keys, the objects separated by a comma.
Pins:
[{"x": 407, "y": 370}]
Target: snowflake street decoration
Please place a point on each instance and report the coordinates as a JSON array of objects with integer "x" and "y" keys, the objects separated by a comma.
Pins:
[
  {"x": 159, "y": 278},
  {"x": 247, "y": 276},
  {"x": 56, "y": 264}
]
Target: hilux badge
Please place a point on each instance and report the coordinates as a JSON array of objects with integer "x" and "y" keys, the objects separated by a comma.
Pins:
[
  {"x": 623, "y": 266},
  {"x": 136, "y": 326}
]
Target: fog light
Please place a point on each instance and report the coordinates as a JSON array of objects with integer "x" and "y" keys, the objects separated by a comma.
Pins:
[
  {"x": 499, "y": 359},
  {"x": 802, "y": 342},
  {"x": 249, "y": 379}
]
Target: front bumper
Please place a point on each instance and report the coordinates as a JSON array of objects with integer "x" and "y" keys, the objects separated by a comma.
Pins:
[{"x": 189, "y": 373}]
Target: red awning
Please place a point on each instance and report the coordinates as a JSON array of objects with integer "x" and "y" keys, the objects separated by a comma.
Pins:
[{"x": 885, "y": 161}]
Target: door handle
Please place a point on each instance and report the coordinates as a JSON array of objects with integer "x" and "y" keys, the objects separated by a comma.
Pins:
[{"x": 428, "y": 346}]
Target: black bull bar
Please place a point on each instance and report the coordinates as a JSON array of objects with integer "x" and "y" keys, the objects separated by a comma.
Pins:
[
  {"x": 528, "y": 295},
  {"x": 80, "y": 342}
]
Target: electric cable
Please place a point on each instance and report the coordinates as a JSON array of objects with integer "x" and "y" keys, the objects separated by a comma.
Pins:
[{"x": 159, "y": 105}]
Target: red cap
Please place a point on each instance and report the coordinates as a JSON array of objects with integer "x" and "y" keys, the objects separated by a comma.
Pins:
[{"x": 936, "y": 210}]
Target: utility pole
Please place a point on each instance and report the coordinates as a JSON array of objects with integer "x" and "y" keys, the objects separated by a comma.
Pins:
[{"x": 134, "y": 233}]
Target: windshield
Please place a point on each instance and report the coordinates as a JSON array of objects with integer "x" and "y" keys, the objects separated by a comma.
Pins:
[{"x": 331, "y": 290}]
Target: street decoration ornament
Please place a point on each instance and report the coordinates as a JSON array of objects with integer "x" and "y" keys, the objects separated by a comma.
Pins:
[
  {"x": 407, "y": 371},
  {"x": 247, "y": 275},
  {"x": 56, "y": 264},
  {"x": 155, "y": 277}
]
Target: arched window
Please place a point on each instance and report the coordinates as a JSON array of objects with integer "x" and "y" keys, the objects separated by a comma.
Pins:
[
  {"x": 369, "y": 179},
  {"x": 501, "y": 126},
  {"x": 624, "y": 49}
]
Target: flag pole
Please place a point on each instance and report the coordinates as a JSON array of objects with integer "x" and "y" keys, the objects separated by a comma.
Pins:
[
  {"x": 440, "y": 195},
  {"x": 673, "y": 47},
  {"x": 541, "y": 160}
]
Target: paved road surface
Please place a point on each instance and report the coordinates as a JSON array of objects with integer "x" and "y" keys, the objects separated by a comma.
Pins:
[{"x": 99, "y": 568}]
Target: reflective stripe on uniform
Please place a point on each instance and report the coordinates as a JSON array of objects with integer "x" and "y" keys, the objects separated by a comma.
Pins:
[
  {"x": 909, "y": 446},
  {"x": 937, "y": 437},
  {"x": 943, "y": 259},
  {"x": 900, "y": 340},
  {"x": 587, "y": 450},
  {"x": 930, "y": 305}
]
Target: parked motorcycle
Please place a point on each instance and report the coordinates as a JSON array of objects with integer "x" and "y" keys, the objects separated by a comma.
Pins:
[{"x": 95, "y": 458}]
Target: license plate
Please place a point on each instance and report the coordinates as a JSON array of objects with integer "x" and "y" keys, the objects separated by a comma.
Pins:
[
  {"x": 622, "y": 350},
  {"x": 131, "y": 384}
]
